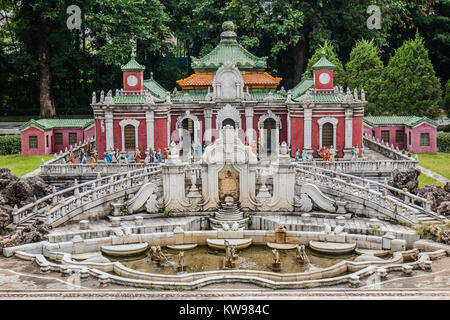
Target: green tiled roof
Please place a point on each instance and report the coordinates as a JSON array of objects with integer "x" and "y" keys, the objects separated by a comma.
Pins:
[
  {"x": 261, "y": 94},
  {"x": 47, "y": 124},
  {"x": 133, "y": 65},
  {"x": 133, "y": 99},
  {"x": 196, "y": 95},
  {"x": 301, "y": 87},
  {"x": 229, "y": 51},
  {"x": 255, "y": 94},
  {"x": 155, "y": 88},
  {"x": 324, "y": 97},
  {"x": 323, "y": 63},
  {"x": 410, "y": 121}
]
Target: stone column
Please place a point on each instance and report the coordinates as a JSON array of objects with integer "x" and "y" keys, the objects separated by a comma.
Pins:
[
  {"x": 150, "y": 121},
  {"x": 348, "y": 133},
  {"x": 109, "y": 130},
  {"x": 307, "y": 132},
  {"x": 208, "y": 126},
  {"x": 249, "y": 124}
]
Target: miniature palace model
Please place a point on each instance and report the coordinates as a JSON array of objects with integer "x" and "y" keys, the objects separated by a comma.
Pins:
[
  {"x": 230, "y": 86},
  {"x": 228, "y": 198}
]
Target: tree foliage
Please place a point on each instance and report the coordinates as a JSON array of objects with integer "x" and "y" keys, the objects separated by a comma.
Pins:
[
  {"x": 365, "y": 70},
  {"x": 410, "y": 86},
  {"x": 42, "y": 63}
]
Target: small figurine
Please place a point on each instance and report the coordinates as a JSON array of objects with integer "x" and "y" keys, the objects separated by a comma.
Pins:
[
  {"x": 107, "y": 156},
  {"x": 82, "y": 155},
  {"x": 159, "y": 156},
  {"x": 137, "y": 155},
  {"x": 304, "y": 155},
  {"x": 332, "y": 153}
]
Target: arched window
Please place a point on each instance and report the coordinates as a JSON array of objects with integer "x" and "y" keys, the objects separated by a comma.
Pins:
[
  {"x": 230, "y": 122},
  {"x": 327, "y": 135},
  {"x": 130, "y": 138}
]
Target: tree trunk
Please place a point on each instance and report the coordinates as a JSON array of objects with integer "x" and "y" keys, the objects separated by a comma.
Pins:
[
  {"x": 299, "y": 52},
  {"x": 47, "y": 109}
]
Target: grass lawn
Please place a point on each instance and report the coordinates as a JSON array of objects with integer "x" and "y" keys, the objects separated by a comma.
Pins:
[
  {"x": 426, "y": 180},
  {"x": 22, "y": 165},
  {"x": 438, "y": 162}
]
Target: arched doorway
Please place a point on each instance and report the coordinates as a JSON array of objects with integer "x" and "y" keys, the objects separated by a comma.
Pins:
[
  {"x": 230, "y": 122},
  {"x": 187, "y": 135},
  {"x": 327, "y": 135},
  {"x": 130, "y": 138},
  {"x": 270, "y": 136}
]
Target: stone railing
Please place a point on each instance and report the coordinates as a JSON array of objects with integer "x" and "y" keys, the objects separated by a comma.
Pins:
[
  {"x": 61, "y": 157},
  {"x": 86, "y": 169},
  {"x": 385, "y": 149},
  {"x": 61, "y": 205},
  {"x": 369, "y": 166},
  {"x": 404, "y": 206}
]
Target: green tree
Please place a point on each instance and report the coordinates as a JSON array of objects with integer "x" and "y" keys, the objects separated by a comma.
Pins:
[
  {"x": 410, "y": 86},
  {"x": 446, "y": 100},
  {"x": 364, "y": 70},
  {"x": 338, "y": 74}
]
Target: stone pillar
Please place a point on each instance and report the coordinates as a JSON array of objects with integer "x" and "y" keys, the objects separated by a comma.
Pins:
[
  {"x": 109, "y": 130},
  {"x": 249, "y": 124},
  {"x": 150, "y": 121},
  {"x": 208, "y": 126},
  {"x": 174, "y": 185},
  {"x": 348, "y": 133},
  {"x": 307, "y": 133},
  {"x": 284, "y": 183}
]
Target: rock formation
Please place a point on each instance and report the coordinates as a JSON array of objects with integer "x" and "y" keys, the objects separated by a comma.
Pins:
[
  {"x": 18, "y": 192},
  {"x": 440, "y": 197}
]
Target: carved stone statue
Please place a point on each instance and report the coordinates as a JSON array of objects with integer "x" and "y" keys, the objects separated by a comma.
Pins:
[
  {"x": 228, "y": 185},
  {"x": 180, "y": 265},
  {"x": 301, "y": 254},
  {"x": 276, "y": 256}
]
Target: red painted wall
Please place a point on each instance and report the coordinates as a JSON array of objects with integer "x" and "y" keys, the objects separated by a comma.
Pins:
[
  {"x": 139, "y": 86},
  {"x": 415, "y": 146},
  {"x": 100, "y": 139},
  {"x": 340, "y": 137},
  {"x": 25, "y": 134},
  {"x": 357, "y": 132},
  {"x": 296, "y": 135},
  {"x": 160, "y": 134}
]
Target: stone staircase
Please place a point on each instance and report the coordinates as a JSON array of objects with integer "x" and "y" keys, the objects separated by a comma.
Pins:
[
  {"x": 228, "y": 213},
  {"x": 424, "y": 218}
]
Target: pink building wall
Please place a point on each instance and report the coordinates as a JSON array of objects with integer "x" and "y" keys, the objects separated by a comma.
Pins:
[
  {"x": 33, "y": 131},
  {"x": 415, "y": 132},
  {"x": 415, "y": 146},
  {"x": 49, "y": 136}
]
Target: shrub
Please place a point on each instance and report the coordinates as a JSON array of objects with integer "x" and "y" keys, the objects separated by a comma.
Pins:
[
  {"x": 10, "y": 144},
  {"x": 443, "y": 141}
]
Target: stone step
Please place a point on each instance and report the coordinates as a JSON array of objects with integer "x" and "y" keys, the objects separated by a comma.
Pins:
[{"x": 229, "y": 217}]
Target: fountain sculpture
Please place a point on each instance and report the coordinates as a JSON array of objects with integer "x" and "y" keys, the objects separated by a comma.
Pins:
[
  {"x": 230, "y": 259},
  {"x": 180, "y": 265},
  {"x": 276, "y": 264}
]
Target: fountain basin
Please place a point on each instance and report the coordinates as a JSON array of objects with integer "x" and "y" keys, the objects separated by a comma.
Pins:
[
  {"x": 182, "y": 247},
  {"x": 281, "y": 246},
  {"x": 125, "y": 250},
  {"x": 332, "y": 247},
  {"x": 220, "y": 243}
]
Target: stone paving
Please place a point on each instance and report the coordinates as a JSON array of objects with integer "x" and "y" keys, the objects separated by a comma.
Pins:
[
  {"x": 26, "y": 282},
  {"x": 433, "y": 175}
]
